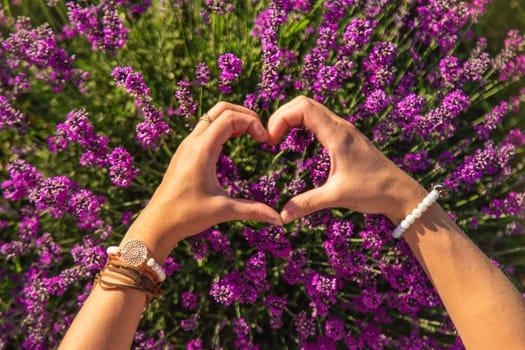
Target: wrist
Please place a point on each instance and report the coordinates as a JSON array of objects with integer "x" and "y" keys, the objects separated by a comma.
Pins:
[
  {"x": 159, "y": 237},
  {"x": 403, "y": 196}
]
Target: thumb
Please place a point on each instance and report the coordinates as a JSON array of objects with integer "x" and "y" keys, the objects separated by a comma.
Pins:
[
  {"x": 243, "y": 209},
  {"x": 306, "y": 203}
]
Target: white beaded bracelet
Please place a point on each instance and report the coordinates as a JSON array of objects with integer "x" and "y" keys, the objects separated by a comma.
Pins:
[
  {"x": 135, "y": 252},
  {"x": 417, "y": 212}
]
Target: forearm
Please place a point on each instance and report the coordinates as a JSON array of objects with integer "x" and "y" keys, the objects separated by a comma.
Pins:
[
  {"x": 109, "y": 317},
  {"x": 488, "y": 312},
  {"x": 107, "y": 320}
]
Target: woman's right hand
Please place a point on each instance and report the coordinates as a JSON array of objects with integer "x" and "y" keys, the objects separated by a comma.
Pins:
[{"x": 361, "y": 178}]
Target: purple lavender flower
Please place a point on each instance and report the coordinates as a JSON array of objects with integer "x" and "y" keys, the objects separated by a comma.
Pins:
[
  {"x": 266, "y": 190},
  {"x": 475, "y": 67},
  {"x": 13, "y": 249},
  {"x": 53, "y": 195},
  {"x": 153, "y": 128},
  {"x": 226, "y": 171},
  {"x": 275, "y": 305},
  {"x": 189, "y": 300},
  {"x": 383, "y": 54},
  {"x": 414, "y": 162},
  {"x": 194, "y": 344},
  {"x": 478, "y": 8},
  {"x": 379, "y": 65},
  {"x": 135, "y": 85},
  {"x": 298, "y": 139},
  {"x": 219, "y": 243},
  {"x": 77, "y": 128},
  {"x": 451, "y": 71},
  {"x": 339, "y": 228},
  {"x": 406, "y": 109},
  {"x": 357, "y": 34},
  {"x": 202, "y": 74},
  {"x": 49, "y": 254},
  {"x": 205, "y": 16},
  {"x": 219, "y": 6},
  {"x": 491, "y": 121},
  {"x": 59, "y": 141},
  {"x": 107, "y": 34},
  {"x": 513, "y": 204},
  {"x": 320, "y": 167},
  {"x": 267, "y": 28},
  {"x": 305, "y": 326},
  {"x": 28, "y": 227},
  {"x": 334, "y": 328},
  {"x": 86, "y": 207},
  {"x": 198, "y": 247},
  {"x": 296, "y": 186},
  {"x": 328, "y": 80},
  {"x": 310, "y": 70},
  {"x": 322, "y": 285},
  {"x": 191, "y": 323},
  {"x": 90, "y": 255},
  {"x": 269, "y": 238},
  {"x": 242, "y": 330},
  {"x": 225, "y": 291},
  {"x": 11, "y": 118},
  {"x": 251, "y": 101},
  {"x": 114, "y": 32},
  {"x": 30, "y": 47},
  {"x": 369, "y": 300},
  {"x": 84, "y": 21},
  {"x": 187, "y": 106},
  {"x": 95, "y": 153},
  {"x": 255, "y": 268},
  {"x": 120, "y": 74},
  {"x": 121, "y": 168},
  {"x": 23, "y": 180},
  {"x": 442, "y": 119},
  {"x": 231, "y": 69},
  {"x": 170, "y": 266},
  {"x": 507, "y": 62},
  {"x": 440, "y": 21},
  {"x": 248, "y": 294},
  {"x": 376, "y": 102},
  {"x": 488, "y": 160}
]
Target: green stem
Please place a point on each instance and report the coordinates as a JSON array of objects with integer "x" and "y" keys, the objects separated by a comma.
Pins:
[{"x": 509, "y": 251}]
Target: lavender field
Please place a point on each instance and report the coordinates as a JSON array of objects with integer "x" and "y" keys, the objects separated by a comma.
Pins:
[{"x": 95, "y": 97}]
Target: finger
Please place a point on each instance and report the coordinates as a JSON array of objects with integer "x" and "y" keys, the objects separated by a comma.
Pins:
[
  {"x": 233, "y": 123},
  {"x": 306, "y": 203},
  {"x": 243, "y": 209},
  {"x": 303, "y": 111},
  {"x": 216, "y": 111},
  {"x": 204, "y": 122}
]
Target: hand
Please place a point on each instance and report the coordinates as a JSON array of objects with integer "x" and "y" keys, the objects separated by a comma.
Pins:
[
  {"x": 189, "y": 198},
  {"x": 361, "y": 178}
]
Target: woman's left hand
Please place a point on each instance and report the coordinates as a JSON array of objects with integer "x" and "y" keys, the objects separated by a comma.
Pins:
[{"x": 189, "y": 198}]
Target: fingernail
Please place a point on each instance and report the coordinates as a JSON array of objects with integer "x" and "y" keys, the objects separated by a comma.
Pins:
[
  {"x": 275, "y": 221},
  {"x": 287, "y": 215}
]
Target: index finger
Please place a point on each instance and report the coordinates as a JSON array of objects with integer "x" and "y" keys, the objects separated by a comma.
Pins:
[
  {"x": 216, "y": 111},
  {"x": 233, "y": 123},
  {"x": 302, "y": 111}
]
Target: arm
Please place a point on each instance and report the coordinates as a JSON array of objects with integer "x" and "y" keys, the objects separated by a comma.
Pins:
[
  {"x": 488, "y": 312},
  {"x": 486, "y": 309},
  {"x": 188, "y": 200}
]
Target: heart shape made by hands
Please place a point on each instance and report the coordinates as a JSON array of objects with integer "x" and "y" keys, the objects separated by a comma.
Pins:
[{"x": 346, "y": 172}]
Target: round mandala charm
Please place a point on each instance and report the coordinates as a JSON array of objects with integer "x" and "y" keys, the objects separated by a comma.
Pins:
[{"x": 134, "y": 252}]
